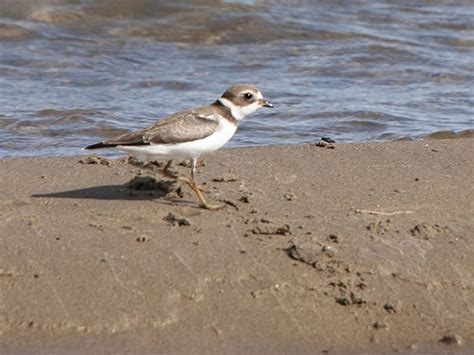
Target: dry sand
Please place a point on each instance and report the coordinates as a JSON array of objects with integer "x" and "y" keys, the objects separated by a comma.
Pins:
[{"x": 361, "y": 248}]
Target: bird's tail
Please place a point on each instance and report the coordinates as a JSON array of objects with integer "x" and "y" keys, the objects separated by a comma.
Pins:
[{"x": 100, "y": 145}]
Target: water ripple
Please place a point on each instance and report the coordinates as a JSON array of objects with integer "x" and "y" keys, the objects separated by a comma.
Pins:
[{"x": 73, "y": 72}]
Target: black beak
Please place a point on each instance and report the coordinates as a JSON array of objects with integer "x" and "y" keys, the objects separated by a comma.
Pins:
[{"x": 267, "y": 104}]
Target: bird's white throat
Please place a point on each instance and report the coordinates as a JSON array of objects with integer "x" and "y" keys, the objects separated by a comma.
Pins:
[{"x": 239, "y": 112}]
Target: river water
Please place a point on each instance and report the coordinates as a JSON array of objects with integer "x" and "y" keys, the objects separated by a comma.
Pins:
[{"x": 73, "y": 72}]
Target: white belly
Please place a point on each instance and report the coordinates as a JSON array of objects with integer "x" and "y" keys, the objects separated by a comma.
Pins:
[{"x": 193, "y": 149}]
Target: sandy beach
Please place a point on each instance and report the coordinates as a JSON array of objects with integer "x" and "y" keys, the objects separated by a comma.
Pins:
[{"x": 319, "y": 249}]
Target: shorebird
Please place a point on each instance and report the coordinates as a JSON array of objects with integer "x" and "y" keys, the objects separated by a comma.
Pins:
[{"x": 189, "y": 134}]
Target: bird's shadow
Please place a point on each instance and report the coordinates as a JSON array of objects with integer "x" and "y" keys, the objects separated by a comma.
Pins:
[
  {"x": 108, "y": 192},
  {"x": 138, "y": 188}
]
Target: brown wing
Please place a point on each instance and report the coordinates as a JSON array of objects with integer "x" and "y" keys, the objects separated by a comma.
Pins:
[
  {"x": 181, "y": 127},
  {"x": 178, "y": 128}
]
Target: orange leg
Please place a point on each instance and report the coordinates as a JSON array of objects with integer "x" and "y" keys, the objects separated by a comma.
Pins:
[{"x": 191, "y": 183}]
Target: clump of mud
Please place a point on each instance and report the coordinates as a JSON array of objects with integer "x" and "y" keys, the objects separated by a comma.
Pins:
[
  {"x": 269, "y": 229},
  {"x": 225, "y": 178},
  {"x": 152, "y": 166},
  {"x": 380, "y": 227},
  {"x": 174, "y": 220},
  {"x": 325, "y": 142},
  {"x": 308, "y": 252},
  {"x": 427, "y": 231},
  {"x": 150, "y": 183},
  {"x": 152, "y": 186},
  {"x": 94, "y": 160}
]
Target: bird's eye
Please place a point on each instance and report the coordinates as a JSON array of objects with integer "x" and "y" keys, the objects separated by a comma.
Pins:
[{"x": 248, "y": 95}]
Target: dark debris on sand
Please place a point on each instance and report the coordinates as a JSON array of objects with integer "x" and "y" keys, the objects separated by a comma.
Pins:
[
  {"x": 427, "y": 231},
  {"x": 225, "y": 178},
  {"x": 174, "y": 220},
  {"x": 167, "y": 188},
  {"x": 150, "y": 183},
  {"x": 380, "y": 227},
  {"x": 325, "y": 142},
  {"x": 269, "y": 229},
  {"x": 94, "y": 160}
]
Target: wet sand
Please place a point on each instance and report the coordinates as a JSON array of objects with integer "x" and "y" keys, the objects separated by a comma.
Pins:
[{"x": 362, "y": 248}]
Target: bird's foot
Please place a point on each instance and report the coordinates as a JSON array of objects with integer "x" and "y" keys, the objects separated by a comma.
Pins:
[
  {"x": 198, "y": 190},
  {"x": 211, "y": 207}
]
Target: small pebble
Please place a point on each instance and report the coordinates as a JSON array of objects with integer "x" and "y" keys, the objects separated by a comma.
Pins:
[
  {"x": 289, "y": 196},
  {"x": 451, "y": 339}
]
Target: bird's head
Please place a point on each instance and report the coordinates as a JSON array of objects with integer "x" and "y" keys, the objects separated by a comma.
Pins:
[{"x": 242, "y": 100}]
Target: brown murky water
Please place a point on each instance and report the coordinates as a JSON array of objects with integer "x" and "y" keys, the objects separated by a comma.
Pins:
[{"x": 75, "y": 71}]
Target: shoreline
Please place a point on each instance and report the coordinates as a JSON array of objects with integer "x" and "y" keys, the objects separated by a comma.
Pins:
[
  {"x": 363, "y": 247},
  {"x": 436, "y": 135}
]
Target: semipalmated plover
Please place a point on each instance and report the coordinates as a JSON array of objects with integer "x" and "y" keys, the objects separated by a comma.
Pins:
[{"x": 189, "y": 134}]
